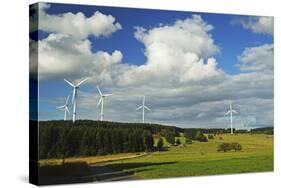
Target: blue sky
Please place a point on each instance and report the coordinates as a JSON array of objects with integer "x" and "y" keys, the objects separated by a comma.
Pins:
[
  {"x": 231, "y": 34},
  {"x": 225, "y": 33}
]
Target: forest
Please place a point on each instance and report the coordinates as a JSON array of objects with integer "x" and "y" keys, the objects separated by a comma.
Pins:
[{"x": 60, "y": 139}]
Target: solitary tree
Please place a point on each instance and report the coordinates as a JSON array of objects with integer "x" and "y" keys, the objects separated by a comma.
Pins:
[
  {"x": 160, "y": 143},
  {"x": 178, "y": 142}
]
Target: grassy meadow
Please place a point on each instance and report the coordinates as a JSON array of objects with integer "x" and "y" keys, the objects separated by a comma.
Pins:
[
  {"x": 202, "y": 158},
  {"x": 196, "y": 159}
]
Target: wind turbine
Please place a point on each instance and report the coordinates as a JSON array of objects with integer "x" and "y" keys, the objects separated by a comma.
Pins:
[
  {"x": 231, "y": 111},
  {"x": 65, "y": 107},
  {"x": 102, "y": 96},
  {"x": 143, "y": 107},
  {"x": 74, "y": 96}
]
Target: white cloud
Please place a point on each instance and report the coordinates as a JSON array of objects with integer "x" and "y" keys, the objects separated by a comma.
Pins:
[
  {"x": 259, "y": 58},
  {"x": 178, "y": 53},
  {"x": 181, "y": 79},
  {"x": 63, "y": 56},
  {"x": 77, "y": 25},
  {"x": 189, "y": 35},
  {"x": 264, "y": 25},
  {"x": 66, "y": 52}
]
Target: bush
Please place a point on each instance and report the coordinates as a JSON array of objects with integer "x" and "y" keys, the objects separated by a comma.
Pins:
[
  {"x": 224, "y": 147},
  {"x": 200, "y": 137},
  {"x": 160, "y": 143},
  {"x": 169, "y": 135},
  {"x": 229, "y": 146},
  {"x": 221, "y": 138},
  {"x": 236, "y": 146},
  {"x": 210, "y": 136},
  {"x": 188, "y": 141},
  {"x": 178, "y": 142}
]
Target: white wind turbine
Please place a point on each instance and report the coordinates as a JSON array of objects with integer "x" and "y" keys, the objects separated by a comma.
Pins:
[
  {"x": 74, "y": 96},
  {"x": 143, "y": 107},
  {"x": 231, "y": 111},
  {"x": 65, "y": 107},
  {"x": 102, "y": 96}
]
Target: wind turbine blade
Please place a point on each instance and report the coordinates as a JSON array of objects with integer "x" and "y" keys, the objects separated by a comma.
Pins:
[
  {"x": 67, "y": 109},
  {"x": 66, "y": 102},
  {"x": 147, "y": 108},
  {"x": 139, "y": 107},
  {"x": 227, "y": 113},
  {"x": 60, "y": 107},
  {"x": 99, "y": 91},
  {"x": 69, "y": 83},
  {"x": 81, "y": 82},
  {"x": 99, "y": 102},
  {"x": 234, "y": 111},
  {"x": 106, "y": 95}
]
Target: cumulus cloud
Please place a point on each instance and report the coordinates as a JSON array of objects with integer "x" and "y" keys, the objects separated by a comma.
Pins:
[
  {"x": 77, "y": 25},
  {"x": 180, "y": 78},
  {"x": 259, "y": 58},
  {"x": 179, "y": 53},
  {"x": 63, "y": 56},
  {"x": 188, "y": 35},
  {"x": 261, "y": 24},
  {"x": 66, "y": 51}
]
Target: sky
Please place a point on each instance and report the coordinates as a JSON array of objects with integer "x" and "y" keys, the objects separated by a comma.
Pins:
[{"x": 189, "y": 65}]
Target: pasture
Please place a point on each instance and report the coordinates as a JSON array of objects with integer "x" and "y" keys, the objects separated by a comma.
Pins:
[
  {"x": 196, "y": 159},
  {"x": 202, "y": 158}
]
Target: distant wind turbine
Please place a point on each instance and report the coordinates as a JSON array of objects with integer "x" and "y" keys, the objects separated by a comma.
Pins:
[
  {"x": 74, "y": 96},
  {"x": 102, "y": 96},
  {"x": 143, "y": 107},
  {"x": 65, "y": 107},
  {"x": 231, "y": 111}
]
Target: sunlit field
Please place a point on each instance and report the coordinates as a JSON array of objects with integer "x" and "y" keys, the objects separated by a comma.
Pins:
[
  {"x": 202, "y": 158},
  {"x": 196, "y": 159}
]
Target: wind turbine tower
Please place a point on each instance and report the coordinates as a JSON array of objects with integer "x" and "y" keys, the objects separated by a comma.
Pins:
[
  {"x": 143, "y": 107},
  {"x": 231, "y": 111},
  {"x": 65, "y": 107},
  {"x": 74, "y": 96},
  {"x": 101, "y": 101}
]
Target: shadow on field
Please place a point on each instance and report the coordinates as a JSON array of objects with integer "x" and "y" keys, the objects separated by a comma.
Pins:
[
  {"x": 66, "y": 173},
  {"x": 121, "y": 171},
  {"x": 131, "y": 166}
]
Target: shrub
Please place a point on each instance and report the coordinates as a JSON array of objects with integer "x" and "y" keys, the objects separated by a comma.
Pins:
[
  {"x": 178, "y": 142},
  {"x": 200, "y": 137},
  {"x": 224, "y": 147},
  {"x": 203, "y": 139},
  {"x": 210, "y": 136},
  {"x": 160, "y": 143},
  {"x": 221, "y": 138},
  {"x": 169, "y": 135},
  {"x": 229, "y": 146},
  {"x": 236, "y": 146}
]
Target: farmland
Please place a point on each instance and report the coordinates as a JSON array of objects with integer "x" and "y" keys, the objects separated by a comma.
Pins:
[
  {"x": 196, "y": 159},
  {"x": 202, "y": 158}
]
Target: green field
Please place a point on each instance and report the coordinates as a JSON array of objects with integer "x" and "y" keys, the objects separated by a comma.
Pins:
[{"x": 202, "y": 158}]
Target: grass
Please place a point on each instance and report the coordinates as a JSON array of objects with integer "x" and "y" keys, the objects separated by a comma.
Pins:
[
  {"x": 90, "y": 160},
  {"x": 203, "y": 159},
  {"x": 196, "y": 159}
]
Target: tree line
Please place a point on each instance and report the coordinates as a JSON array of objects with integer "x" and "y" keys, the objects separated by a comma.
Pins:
[{"x": 60, "y": 141}]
